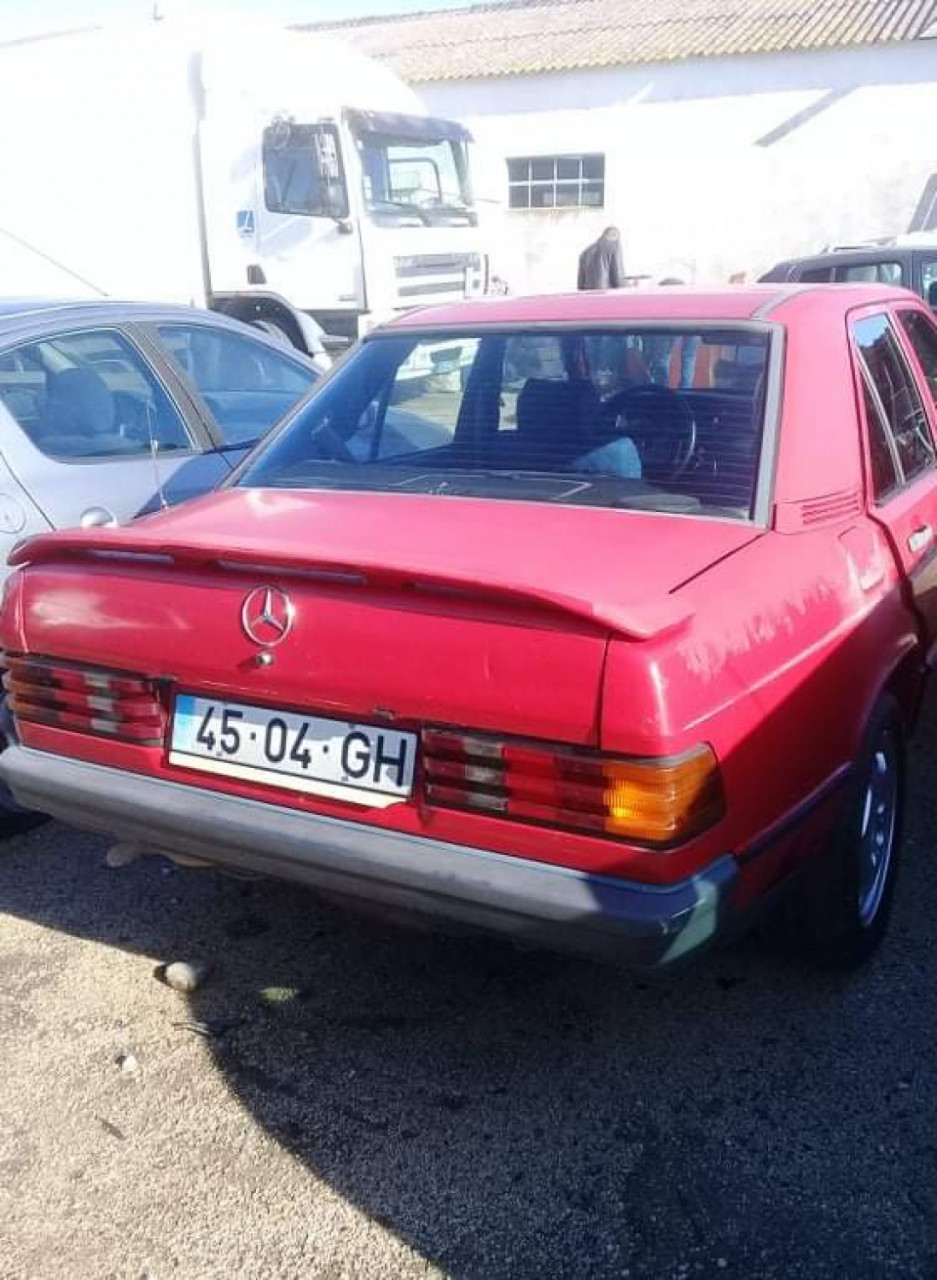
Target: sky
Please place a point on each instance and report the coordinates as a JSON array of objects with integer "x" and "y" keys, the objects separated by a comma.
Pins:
[{"x": 29, "y": 17}]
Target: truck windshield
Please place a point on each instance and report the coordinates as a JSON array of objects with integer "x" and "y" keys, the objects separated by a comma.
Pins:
[
  {"x": 651, "y": 418},
  {"x": 407, "y": 179}
]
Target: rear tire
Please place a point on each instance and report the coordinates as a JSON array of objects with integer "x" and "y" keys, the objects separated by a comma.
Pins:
[{"x": 840, "y": 914}]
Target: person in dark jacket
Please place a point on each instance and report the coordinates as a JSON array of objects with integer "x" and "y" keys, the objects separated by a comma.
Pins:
[{"x": 601, "y": 265}]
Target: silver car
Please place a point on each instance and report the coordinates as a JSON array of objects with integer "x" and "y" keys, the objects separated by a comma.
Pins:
[{"x": 108, "y": 409}]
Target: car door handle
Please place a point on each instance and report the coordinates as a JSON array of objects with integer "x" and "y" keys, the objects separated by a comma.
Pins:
[
  {"x": 98, "y": 518},
  {"x": 920, "y": 538}
]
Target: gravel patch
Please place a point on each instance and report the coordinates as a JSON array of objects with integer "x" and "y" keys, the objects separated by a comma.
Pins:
[{"x": 343, "y": 1099}]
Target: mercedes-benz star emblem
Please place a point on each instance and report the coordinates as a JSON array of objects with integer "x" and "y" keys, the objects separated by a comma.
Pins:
[{"x": 267, "y": 616}]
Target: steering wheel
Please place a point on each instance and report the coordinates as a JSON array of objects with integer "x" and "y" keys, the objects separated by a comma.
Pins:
[{"x": 660, "y": 421}]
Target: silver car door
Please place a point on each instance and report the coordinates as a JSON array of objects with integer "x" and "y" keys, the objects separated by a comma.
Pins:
[{"x": 95, "y": 428}]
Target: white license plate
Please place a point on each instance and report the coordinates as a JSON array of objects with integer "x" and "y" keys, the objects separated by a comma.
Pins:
[{"x": 356, "y": 762}]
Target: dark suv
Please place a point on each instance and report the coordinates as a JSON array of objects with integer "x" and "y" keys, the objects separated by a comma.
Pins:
[{"x": 913, "y": 266}]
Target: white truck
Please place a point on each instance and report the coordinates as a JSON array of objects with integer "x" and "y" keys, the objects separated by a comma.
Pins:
[{"x": 280, "y": 177}]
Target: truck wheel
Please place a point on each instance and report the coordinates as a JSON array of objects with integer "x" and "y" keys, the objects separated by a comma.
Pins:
[{"x": 840, "y": 914}]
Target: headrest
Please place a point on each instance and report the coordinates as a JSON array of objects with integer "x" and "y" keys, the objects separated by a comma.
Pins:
[
  {"x": 80, "y": 400},
  {"x": 553, "y": 409}
]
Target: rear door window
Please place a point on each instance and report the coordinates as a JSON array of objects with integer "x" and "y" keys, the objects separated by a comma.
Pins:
[
  {"x": 246, "y": 385},
  {"x": 894, "y": 390},
  {"x": 922, "y": 334},
  {"x": 871, "y": 273},
  {"x": 22, "y": 386},
  {"x": 882, "y": 452},
  {"x": 90, "y": 395}
]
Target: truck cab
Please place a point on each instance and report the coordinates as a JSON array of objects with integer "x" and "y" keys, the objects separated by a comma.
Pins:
[
  {"x": 387, "y": 195},
  {"x": 280, "y": 177},
  {"x": 325, "y": 181}
]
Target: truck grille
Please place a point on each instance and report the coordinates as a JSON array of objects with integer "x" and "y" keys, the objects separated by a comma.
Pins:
[
  {"x": 85, "y": 699},
  {"x": 421, "y": 275}
]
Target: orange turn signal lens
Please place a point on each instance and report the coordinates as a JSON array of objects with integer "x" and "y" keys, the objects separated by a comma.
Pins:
[
  {"x": 653, "y": 802},
  {"x": 662, "y": 802}
]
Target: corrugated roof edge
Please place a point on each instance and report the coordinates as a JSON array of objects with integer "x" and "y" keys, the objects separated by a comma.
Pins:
[
  {"x": 826, "y": 24},
  {"x": 378, "y": 19}
]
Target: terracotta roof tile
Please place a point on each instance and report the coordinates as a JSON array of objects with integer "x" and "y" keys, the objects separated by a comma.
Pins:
[{"x": 524, "y": 37}]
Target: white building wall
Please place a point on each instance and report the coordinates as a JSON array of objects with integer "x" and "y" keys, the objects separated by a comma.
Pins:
[{"x": 701, "y": 175}]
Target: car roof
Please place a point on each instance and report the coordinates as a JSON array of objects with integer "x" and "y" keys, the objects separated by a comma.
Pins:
[
  {"x": 856, "y": 253},
  {"x": 732, "y": 303},
  {"x": 25, "y": 306},
  {"x": 902, "y": 246},
  {"x": 20, "y": 316}
]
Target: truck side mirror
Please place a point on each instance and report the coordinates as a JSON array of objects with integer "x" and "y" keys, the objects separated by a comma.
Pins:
[
  {"x": 326, "y": 155},
  {"x": 932, "y": 295},
  {"x": 328, "y": 169}
]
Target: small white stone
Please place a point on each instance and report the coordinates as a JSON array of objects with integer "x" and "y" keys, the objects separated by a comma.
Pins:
[
  {"x": 122, "y": 854},
  {"x": 127, "y": 1063},
  {"x": 185, "y": 975}
]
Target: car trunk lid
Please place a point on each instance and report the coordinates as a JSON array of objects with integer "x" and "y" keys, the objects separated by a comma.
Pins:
[
  {"x": 496, "y": 616},
  {"x": 617, "y": 569}
]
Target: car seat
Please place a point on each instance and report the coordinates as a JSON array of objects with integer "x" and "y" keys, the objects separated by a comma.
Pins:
[
  {"x": 557, "y": 421},
  {"x": 79, "y": 415}
]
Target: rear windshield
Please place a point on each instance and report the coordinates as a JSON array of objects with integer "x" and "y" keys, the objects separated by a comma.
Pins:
[{"x": 652, "y": 418}]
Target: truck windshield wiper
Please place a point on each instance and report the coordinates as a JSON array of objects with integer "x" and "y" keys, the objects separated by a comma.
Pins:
[
  {"x": 378, "y": 205},
  {"x": 455, "y": 211}
]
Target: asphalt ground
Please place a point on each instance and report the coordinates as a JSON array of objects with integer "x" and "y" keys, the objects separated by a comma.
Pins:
[{"x": 343, "y": 1099}]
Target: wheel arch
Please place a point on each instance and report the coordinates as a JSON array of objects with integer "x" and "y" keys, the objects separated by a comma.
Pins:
[
  {"x": 906, "y": 682},
  {"x": 304, "y": 333}
]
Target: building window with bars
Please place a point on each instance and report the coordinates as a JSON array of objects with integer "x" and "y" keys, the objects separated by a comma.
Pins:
[{"x": 556, "y": 182}]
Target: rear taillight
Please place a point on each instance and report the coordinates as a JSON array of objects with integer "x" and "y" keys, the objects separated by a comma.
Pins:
[
  {"x": 85, "y": 699},
  {"x": 656, "y": 802}
]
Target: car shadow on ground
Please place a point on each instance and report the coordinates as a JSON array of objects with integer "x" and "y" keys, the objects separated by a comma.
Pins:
[{"x": 512, "y": 1114}]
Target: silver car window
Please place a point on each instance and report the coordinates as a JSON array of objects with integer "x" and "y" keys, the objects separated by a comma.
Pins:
[
  {"x": 246, "y": 385},
  {"x": 87, "y": 395}
]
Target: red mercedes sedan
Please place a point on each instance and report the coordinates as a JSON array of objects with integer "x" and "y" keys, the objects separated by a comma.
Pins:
[{"x": 600, "y": 621}]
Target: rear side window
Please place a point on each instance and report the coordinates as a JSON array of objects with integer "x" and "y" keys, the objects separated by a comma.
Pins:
[
  {"x": 872, "y": 273},
  {"x": 816, "y": 275},
  {"x": 895, "y": 393},
  {"x": 246, "y": 385},
  {"x": 929, "y": 283},
  {"x": 922, "y": 334},
  {"x": 881, "y": 449},
  {"x": 90, "y": 395}
]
